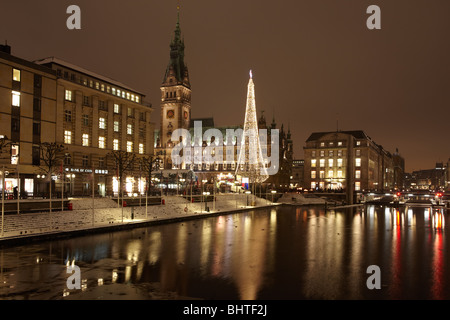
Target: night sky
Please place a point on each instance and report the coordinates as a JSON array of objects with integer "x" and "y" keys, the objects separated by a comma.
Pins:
[{"x": 315, "y": 63}]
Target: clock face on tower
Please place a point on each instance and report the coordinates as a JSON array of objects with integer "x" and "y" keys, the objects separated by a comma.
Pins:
[{"x": 170, "y": 114}]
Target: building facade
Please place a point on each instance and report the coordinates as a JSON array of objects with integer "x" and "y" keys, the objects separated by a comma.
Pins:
[
  {"x": 28, "y": 117},
  {"x": 95, "y": 116},
  {"x": 347, "y": 159},
  {"x": 53, "y": 101}
]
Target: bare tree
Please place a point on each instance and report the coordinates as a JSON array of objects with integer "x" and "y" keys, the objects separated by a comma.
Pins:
[
  {"x": 51, "y": 156},
  {"x": 148, "y": 165},
  {"x": 123, "y": 162}
]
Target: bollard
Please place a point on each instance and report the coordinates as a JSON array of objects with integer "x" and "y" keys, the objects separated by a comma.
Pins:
[{"x": 132, "y": 213}]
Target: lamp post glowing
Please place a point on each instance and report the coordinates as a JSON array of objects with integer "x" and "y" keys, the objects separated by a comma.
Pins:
[{"x": 273, "y": 192}]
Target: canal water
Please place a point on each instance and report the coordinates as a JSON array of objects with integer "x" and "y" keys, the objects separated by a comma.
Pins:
[{"x": 283, "y": 253}]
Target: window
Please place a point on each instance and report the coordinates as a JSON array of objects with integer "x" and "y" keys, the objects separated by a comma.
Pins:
[
  {"x": 142, "y": 133},
  {"x": 15, "y": 154},
  {"x": 86, "y": 101},
  {"x": 331, "y": 143},
  {"x": 322, "y": 174},
  {"x": 141, "y": 148},
  {"x": 339, "y": 162},
  {"x": 97, "y": 85},
  {"x": 16, "y": 99},
  {"x": 129, "y": 129},
  {"x": 101, "y": 142},
  {"x": 358, "y": 143},
  {"x": 103, "y": 87},
  {"x": 116, "y": 144},
  {"x": 91, "y": 83},
  {"x": 85, "y": 141},
  {"x": 330, "y": 153},
  {"x": 68, "y": 137},
  {"x": 68, "y": 95},
  {"x": 85, "y": 120},
  {"x": 322, "y": 163},
  {"x": 313, "y": 185},
  {"x": 313, "y": 163},
  {"x": 16, "y": 75},
  {"x": 357, "y": 186},
  {"x": 128, "y": 96},
  {"x": 116, "y": 126},
  {"x": 313, "y": 174},
  {"x": 330, "y": 162},
  {"x": 322, "y": 144},
  {"x": 142, "y": 116},
  {"x": 129, "y": 146},
  {"x": 339, "y": 143},
  {"x": 68, "y": 116},
  {"x": 118, "y": 92},
  {"x": 330, "y": 173},
  {"x": 137, "y": 99},
  {"x": 339, "y": 153},
  {"x": 322, "y": 153},
  {"x": 358, "y": 153},
  {"x": 313, "y": 153},
  {"x": 36, "y": 156},
  {"x": 339, "y": 173},
  {"x": 358, "y": 174},
  {"x": 114, "y": 91},
  {"x": 101, "y": 162},
  {"x": 116, "y": 108},
  {"x": 85, "y": 161},
  {"x": 67, "y": 159},
  {"x": 358, "y": 162},
  {"x": 102, "y": 123},
  {"x": 130, "y": 112}
]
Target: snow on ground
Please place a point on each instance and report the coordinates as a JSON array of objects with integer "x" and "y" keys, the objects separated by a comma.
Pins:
[{"x": 107, "y": 213}]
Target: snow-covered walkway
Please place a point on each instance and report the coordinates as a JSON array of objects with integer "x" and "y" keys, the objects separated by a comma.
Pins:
[{"x": 107, "y": 213}]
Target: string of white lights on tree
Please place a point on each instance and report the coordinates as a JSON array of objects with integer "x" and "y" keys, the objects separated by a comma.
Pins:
[{"x": 250, "y": 162}]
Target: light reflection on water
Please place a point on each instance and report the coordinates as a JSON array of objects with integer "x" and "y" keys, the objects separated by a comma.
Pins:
[{"x": 283, "y": 253}]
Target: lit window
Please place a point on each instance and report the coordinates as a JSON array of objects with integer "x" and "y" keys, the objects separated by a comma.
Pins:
[
  {"x": 358, "y": 162},
  {"x": 357, "y": 186},
  {"x": 322, "y": 174},
  {"x": 330, "y": 173},
  {"x": 85, "y": 142},
  {"x": 116, "y": 126},
  {"x": 118, "y": 92},
  {"x": 16, "y": 75},
  {"x": 102, "y": 123},
  {"x": 132, "y": 97},
  {"x": 330, "y": 162},
  {"x": 358, "y": 174},
  {"x": 101, "y": 142},
  {"x": 129, "y": 129},
  {"x": 129, "y": 146},
  {"x": 313, "y": 185},
  {"x": 339, "y": 143},
  {"x": 358, "y": 152},
  {"x": 137, "y": 99},
  {"x": 141, "y": 148},
  {"x": 103, "y": 87},
  {"x": 339, "y": 162},
  {"x": 16, "y": 99},
  {"x": 128, "y": 96},
  {"x": 313, "y": 153},
  {"x": 108, "y": 89},
  {"x": 322, "y": 144},
  {"x": 15, "y": 154},
  {"x": 339, "y": 173},
  {"x": 114, "y": 91},
  {"x": 313, "y": 174},
  {"x": 116, "y": 144},
  {"x": 68, "y": 137},
  {"x": 322, "y": 163},
  {"x": 116, "y": 108},
  {"x": 123, "y": 94},
  {"x": 130, "y": 112},
  {"x": 358, "y": 143},
  {"x": 322, "y": 153},
  {"x": 97, "y": 85},
  {"x": 313, "y": 163}
]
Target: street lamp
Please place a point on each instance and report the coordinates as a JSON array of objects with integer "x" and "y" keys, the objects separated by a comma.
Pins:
[
  {"x": 247, "y": 192},
  {"x": 273, "y": 192}
]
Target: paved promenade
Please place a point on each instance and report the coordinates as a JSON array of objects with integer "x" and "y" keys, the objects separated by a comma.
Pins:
[{"x": 107, "y": 215}]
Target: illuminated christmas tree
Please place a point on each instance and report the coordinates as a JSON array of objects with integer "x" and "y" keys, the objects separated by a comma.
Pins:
[{"x": 250, "y": 162}]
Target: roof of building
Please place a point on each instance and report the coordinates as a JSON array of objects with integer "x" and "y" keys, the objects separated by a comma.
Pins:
[
  {"x": 358, "y": 134},
  {"x": 29, "y": 64},
  {"x": 50, "y": 60},
  {"x": 206, "y": 122}
]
